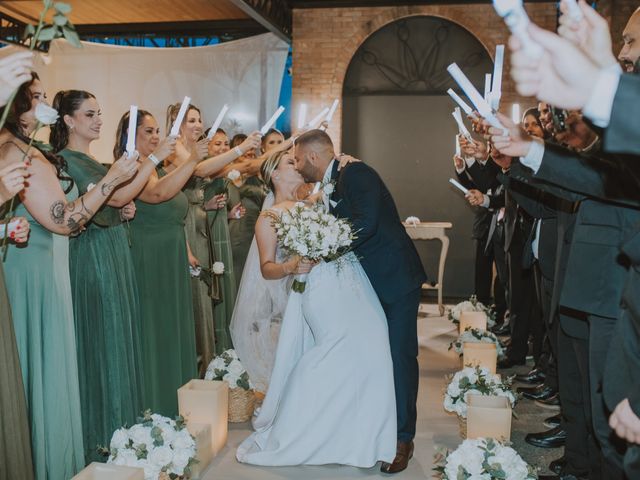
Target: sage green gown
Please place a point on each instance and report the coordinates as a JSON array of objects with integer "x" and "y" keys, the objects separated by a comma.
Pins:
[
  {"x": 241, "y": 231},
  {"x": 37, "y": 279},
  {"x": 166, "y": 309},
  {"x": 15, "y": 446},
  {"x": 107, "y": 316},
  {"x": 198, "y": 238},
  {"x": 219, "y": 228}
]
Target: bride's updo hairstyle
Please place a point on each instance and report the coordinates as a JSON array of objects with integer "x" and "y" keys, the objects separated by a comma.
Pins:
[{"x": 269, "y": 166}]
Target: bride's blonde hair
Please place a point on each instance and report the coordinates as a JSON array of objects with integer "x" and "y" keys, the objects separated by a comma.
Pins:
[{"x": 269, "y": 166}]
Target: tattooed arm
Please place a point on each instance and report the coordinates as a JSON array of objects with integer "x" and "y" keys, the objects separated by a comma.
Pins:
[{"x": 46, "y": 202}]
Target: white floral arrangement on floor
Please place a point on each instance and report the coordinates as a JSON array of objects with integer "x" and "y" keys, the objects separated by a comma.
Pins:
[
  {"x": 157, "y": 444},
  {"x": 483, "y": 459},
  {"x": 475, "y": 335},
  {"x": 478, "y": 381},
  {"x": 227, "y": 367},
  {"x": 472, "y": 305},
  {"x": 312, "y": 233}
]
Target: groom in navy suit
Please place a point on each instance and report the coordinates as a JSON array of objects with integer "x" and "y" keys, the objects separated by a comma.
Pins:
[{"x": 389, "y": 259}]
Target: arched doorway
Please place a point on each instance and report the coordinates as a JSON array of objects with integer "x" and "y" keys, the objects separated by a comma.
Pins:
[{"x": 397, "y": 117}]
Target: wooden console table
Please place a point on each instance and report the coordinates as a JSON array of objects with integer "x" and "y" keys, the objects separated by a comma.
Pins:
[{"x": 430, "y": 231}]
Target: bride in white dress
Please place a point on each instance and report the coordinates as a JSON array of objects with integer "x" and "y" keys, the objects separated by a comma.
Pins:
[{"x": 331, "y": 397}]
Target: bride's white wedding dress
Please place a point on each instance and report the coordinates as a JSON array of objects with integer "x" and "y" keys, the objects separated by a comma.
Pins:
[{"x": 331, "y": 395}]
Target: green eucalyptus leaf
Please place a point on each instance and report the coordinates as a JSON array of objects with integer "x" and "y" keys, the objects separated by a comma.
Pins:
[
  {"x": 47, "y": 34},
  {"x": 72, "y": 36},
  {"x": 29, "y": 31},
  {"x": 60, "y": 20},
  {"x": 63, "y": 8}
]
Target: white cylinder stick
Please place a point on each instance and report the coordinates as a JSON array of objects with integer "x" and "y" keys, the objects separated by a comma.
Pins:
[
  {"x": 216, "y": 125},
  {"x": 515, "y": 113},
  {"x": 302, "y": 115},
  {"x": 317, "y": 120},
  {"x": 332, "y": 110},
  {"x": 516, "y": 18},
  {"x": 461, "y": 126},
  {"x": 470, "y": 91},
  {"x": 487, "y": 87},
  {"x": 458, "y": 185},
  {"x": 467, "y": 109},
  {"x": 131, "y": 133},
  {"x": 458, "y": 152},
  {"x": 496, "y": 85},
  {"x": 272, "y": 120},
  {"x": 175, "y": 129}
]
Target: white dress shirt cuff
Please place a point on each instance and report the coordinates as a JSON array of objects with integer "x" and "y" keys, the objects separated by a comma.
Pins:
[
  {"x": 533, "y": 159},
  {"x": 485, "y": 202},
  {"x": 598, "y": 107},
  {"x": 459, "y": 170}
]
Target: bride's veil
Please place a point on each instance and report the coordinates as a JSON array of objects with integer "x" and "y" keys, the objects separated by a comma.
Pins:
[{"x": 257, "y": 316}]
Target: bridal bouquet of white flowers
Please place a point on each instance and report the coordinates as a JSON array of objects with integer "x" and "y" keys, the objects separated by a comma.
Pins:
[
  {"x": 472, "y": 305},
  {"x": 483, "y": 459},
  {"x": 227, "y": 367},
  {"x": 312, "y": 233},
  {"x": 475, "y": 335},
  {"x": 157, "y": 444},
  {"x": 478, "y": 381}
]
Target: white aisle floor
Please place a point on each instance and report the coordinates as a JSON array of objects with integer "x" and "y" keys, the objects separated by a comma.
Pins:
[{"x": 435, "y": 426}]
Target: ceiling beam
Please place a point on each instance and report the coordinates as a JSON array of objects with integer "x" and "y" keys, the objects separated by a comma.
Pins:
[
  {"x": 236, "y": 28},
  {"x": 274, "y": 15}
]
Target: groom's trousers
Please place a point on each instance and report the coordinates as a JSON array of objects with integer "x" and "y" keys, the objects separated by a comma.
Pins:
[{"x": 402, "y": 317}]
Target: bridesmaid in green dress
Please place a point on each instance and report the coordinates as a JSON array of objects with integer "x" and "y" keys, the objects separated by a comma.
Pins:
[
  {"x": 15, "y": 446},
  {"x": 43, "y": 319},
  {"x": 105, "y": 294},
  {"x": 158, "y": 248}
]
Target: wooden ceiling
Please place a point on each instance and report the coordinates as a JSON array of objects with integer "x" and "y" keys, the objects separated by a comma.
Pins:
[{"x": 94, "y": 12}]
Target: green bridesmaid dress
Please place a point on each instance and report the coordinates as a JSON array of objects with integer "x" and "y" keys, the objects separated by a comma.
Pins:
[
  {"x": 159, "y": 251},
  {"x": 15, "y": 446},
  {"x": 219, "y": 229},
  {"x": 198, "y": 238},
  {"x": 106, "y": 311},
  {"x": 241, "y": 231},
  {"x": 37, "y": 278}
]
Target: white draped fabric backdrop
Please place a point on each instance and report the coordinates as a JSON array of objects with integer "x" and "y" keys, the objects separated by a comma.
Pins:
[{"x": 246, "y": 74}]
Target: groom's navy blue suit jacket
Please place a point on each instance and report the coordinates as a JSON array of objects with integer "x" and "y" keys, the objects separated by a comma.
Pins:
[{"x": 386, "y": 252}]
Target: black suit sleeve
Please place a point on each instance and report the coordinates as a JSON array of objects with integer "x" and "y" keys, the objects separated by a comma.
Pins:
[
  {"x": 364, "y": 195},
  {"x": 465, "y": 180},
  {"x": 622, "y": 135},
  {"x": 484, "y": 176}
]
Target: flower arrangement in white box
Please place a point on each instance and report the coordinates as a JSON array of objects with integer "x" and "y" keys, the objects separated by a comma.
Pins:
[
  {"x": 157, "y": 444},
  {"x": 475, "y": 380},
  {"x": 483, "y": 459},
  {"x": 472, "y": 305},
  {"x": 227, "y": 367},
  {"x": 474, "y": 335}
]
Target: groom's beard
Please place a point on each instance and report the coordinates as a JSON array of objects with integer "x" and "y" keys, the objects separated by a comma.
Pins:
[{"x": 311, "y": 173}]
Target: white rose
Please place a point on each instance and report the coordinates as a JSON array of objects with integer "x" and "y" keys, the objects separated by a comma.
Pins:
[
  {"x": 160, "y": 456},
  {"x": 233, "y": 175},
  {"x": 235, "y": 368},
  {"x": 183, "y": 441},
  {"x": 119, "y": 439},
  {"x": 328, "y": 188},
  {"x": 125, "y": 457},
  {"x": 218, "y": 268},
  {"x": 180, "y": 461},
  {"x": 141, "y": 436},
  {"x": 231, "y": 379},
  {"x": 45, "y": 114}
]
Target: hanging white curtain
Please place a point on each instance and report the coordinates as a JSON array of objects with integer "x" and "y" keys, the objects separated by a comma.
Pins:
[{"x": 246, "y": 74}]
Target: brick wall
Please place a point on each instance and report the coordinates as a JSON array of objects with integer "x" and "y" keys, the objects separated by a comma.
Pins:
[{"x": 325, "y": 40}]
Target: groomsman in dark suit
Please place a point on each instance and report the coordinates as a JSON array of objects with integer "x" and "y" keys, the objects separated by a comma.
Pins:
[{"x": 389, "y": 259}]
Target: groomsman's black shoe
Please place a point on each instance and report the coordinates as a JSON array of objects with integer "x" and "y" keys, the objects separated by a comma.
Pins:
[
  {"x": 554, "y": 438},
  {"x": 558, "y": 465},
  {"x": 541, "y": 392},
  {"x": 404, "y": 452},
  {"x": 510, "y": 363},
  {"x": 534, "y": 377},
  {"x": 551, "y": 402},
  {"x": 553, "y": 422}
]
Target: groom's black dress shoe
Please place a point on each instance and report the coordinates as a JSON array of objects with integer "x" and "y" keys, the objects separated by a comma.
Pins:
[
  {"x": 541, "y": 392},
  {"x": 404, "y": 452},
  {"x": 558, "y": 465},
  {"x": 534, "y": 377},
  {"x": 554, "y": 438},
  {"x": 502, "y": 330},
  {"x": 554, "y": 421}
]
